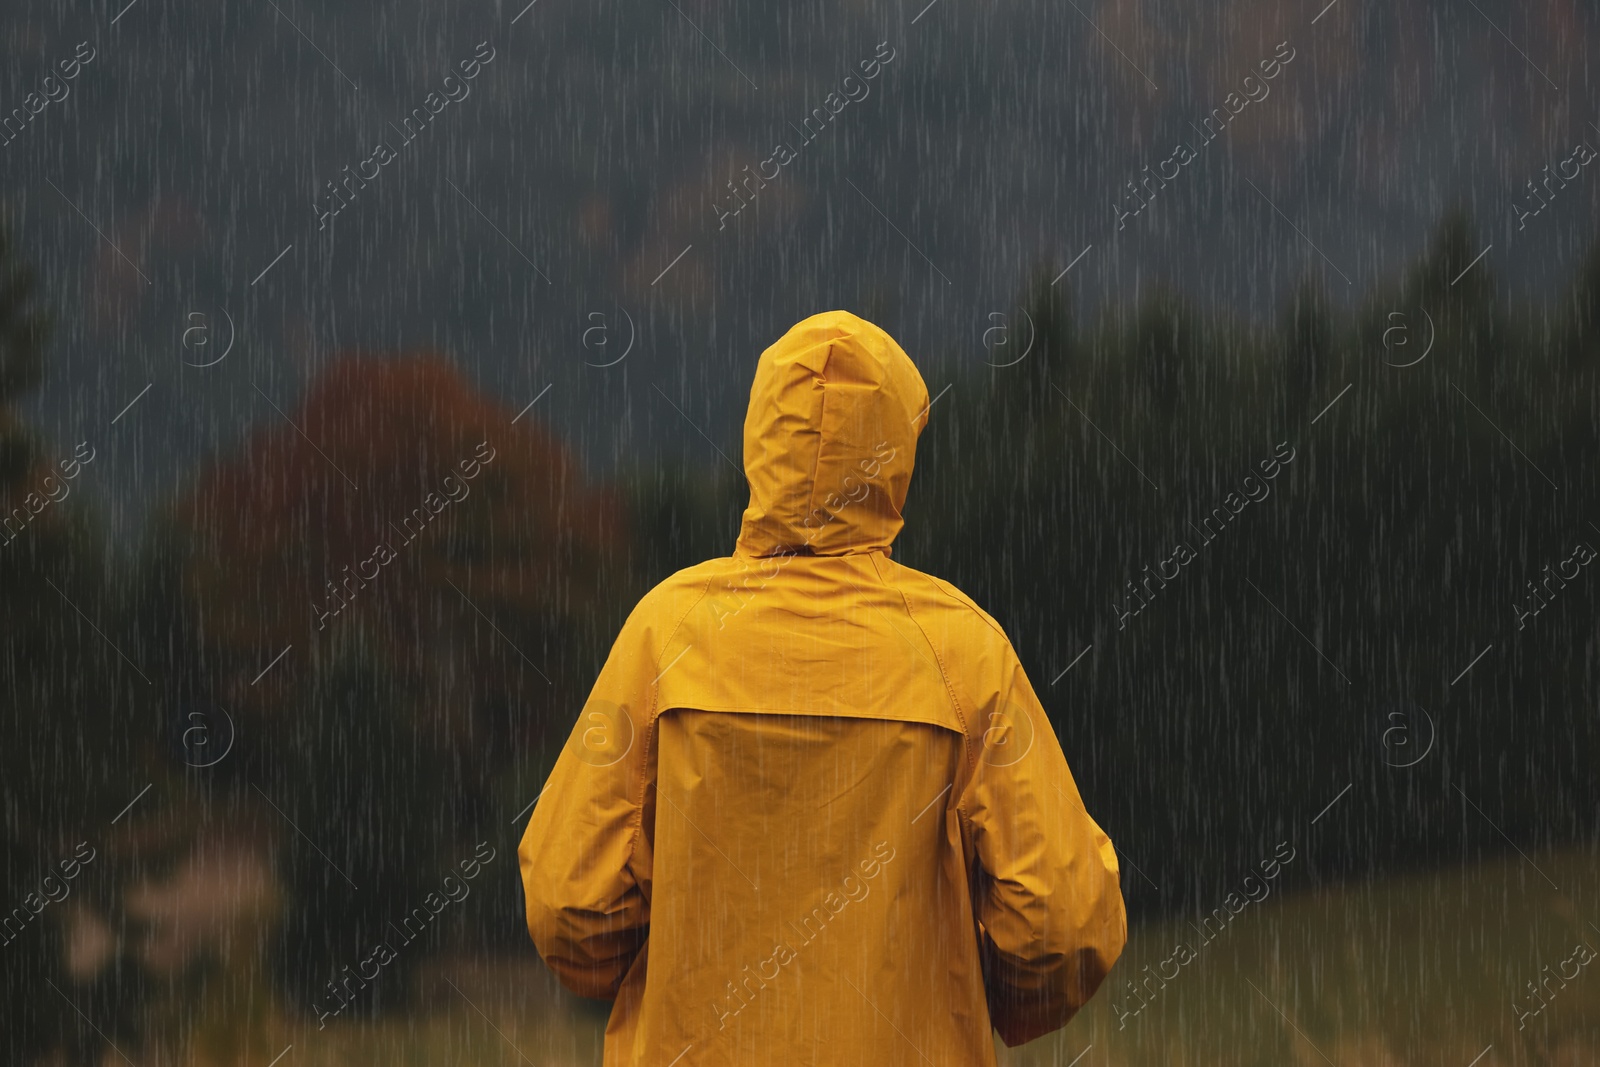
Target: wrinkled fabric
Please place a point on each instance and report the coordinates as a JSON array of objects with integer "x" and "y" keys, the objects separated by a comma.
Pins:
[{"x": 813, "y": 811}]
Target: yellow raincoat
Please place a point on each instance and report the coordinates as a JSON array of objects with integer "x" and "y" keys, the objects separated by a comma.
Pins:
[{"x": 813, "y": 812}]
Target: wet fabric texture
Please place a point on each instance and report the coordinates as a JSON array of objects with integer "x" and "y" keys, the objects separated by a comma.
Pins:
[{"x": 813, "y": 811}]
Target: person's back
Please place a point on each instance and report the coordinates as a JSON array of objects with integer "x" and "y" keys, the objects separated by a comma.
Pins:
[{"x": 812, "y": 812}]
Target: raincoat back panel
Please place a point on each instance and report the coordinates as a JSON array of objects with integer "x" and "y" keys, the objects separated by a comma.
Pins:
[{"x": 804, "y": 867}]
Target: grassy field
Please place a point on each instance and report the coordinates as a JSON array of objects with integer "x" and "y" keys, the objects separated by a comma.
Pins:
[
  {"x": 1430, "y": 970},
  {"x": 1421, "y": 970}
]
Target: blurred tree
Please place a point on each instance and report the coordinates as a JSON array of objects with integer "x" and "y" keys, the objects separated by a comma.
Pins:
[
  {"x": 1050, "y": 361},
  {"x": 1307, "y": 339},
  {"x": 1163, "y": 346},
  {"x": 440, "y": 581},
  {"x": 1454, "y": 282},
  {"x": 1581, "y": 342},
  {"x": 24, "y": 327},
  {"x": 25, "y": 678},
  {"x": 65, "y": 765}
]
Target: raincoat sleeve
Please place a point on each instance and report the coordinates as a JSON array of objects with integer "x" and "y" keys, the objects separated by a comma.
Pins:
[
  {"x": 1045, "y": 877},
  {"x": 586, "y": 853}
]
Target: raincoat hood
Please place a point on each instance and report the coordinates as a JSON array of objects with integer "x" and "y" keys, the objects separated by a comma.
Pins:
[{"x": 830, "y": 439}]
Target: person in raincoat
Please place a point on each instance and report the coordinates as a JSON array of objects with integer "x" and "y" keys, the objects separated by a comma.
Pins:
[{"x": 813, "y": 812}]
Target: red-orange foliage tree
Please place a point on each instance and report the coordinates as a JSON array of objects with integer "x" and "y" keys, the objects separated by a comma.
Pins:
[{"x": 445, "y": 584}]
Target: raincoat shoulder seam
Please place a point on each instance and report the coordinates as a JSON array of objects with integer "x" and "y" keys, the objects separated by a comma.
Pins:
[
  {"x": 655, "y": 691},
  {"x": 650, "y": 725},
  {"x": 966, "y": 601},
  {"x": 944, "y": 672}
]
